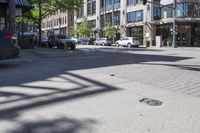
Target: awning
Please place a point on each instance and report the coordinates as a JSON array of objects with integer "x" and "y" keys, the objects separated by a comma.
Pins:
[{"x": 19, "y": 3}]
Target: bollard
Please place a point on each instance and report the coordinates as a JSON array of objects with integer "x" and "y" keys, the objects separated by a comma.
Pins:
[{"x": 65, "y": 46}]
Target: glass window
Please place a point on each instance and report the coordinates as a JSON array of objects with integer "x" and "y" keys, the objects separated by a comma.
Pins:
[
  {"x": 186, "y": 9},
  {"x": 157, "y": 13},
  {"x": 89, "y": 8},
  {"x": 109, "y": 2},
  {"x": 2, "y": 23},
  {"x": 93, "y": 7},
  {"x": 167, "y": 12},
  {"x": 130, "y": 2},
  {"x": 135, "y": 16}
]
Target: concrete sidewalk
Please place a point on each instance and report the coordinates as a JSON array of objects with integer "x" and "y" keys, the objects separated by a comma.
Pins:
[{"x": 88, "y": 102}]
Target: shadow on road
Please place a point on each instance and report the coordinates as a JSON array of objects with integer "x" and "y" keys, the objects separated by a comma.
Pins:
[
  {"x": 18, "y": 81},
  {"x": 62, "y": 125},
  {"x": 183, "y": 67}
]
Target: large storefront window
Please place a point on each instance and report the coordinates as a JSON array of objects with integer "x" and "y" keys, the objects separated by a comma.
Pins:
[
  {"x": 135, "y": 16},
  {"x": 189, "y": 9}
]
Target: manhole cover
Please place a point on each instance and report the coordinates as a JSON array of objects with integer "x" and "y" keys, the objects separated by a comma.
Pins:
[{"x": 151, "y": 102}]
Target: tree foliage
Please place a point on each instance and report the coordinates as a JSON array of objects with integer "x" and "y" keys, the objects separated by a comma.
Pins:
[
  {"x": 49, "y": 7},
  {"x": 74, "y": 31},
  {"x": 43, "y": 8},
  {"x": 109, "y": 30},
  {"x": 85, "y": 28}
]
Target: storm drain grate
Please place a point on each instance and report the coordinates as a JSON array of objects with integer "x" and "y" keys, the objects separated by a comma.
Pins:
[{"x": 151, "y": 102}]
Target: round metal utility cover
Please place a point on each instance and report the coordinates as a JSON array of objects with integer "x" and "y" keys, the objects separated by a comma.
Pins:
[{"x": 151, "y": 102}]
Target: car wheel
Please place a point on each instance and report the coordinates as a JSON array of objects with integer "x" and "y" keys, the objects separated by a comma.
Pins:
[
  {"x": 117, "y": 44},
  {"x": 129, "y": 45},
  {"x": 49, "y": 45},
  {"x": 73, "y": 47}
]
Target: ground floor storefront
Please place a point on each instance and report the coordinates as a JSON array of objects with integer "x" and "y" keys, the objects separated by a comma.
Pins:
[
  {"x": 188, "y": 34},
  {"x": 136, "y": 32},
  {"x": 21, "y": 7}
]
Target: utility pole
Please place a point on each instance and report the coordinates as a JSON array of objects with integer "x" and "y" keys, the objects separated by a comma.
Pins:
[
  {"x": 104, "y": 5},
  {"x": 113, "y": 9},
  {"x": 12, "y": 14},
  {"x": 174, "y": 24}
]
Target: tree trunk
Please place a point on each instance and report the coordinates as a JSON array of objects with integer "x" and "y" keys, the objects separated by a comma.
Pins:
[
  {"x": 12, "y": 12},
  {"x": 40, "y": 22}
]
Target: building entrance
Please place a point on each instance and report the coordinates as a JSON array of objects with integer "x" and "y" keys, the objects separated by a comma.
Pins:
[{"x": 184, "y": 37}]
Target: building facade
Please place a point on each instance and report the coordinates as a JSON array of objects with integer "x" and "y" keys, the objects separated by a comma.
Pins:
[
  {"x": 58, "y": 23},
  {"x": 21, "y": 6},
  {"x": 132, "y": 18}
]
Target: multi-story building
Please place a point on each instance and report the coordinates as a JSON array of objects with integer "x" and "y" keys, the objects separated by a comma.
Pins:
[
  {"x": 132, "y": 18},
  {"x": 21, "y": 6},
  {"x": 58, "y": 23}
]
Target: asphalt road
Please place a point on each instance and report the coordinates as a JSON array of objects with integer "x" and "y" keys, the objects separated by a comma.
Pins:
[{"x": 89, "y": 89}]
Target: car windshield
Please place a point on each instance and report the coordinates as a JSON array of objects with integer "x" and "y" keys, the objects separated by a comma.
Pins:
[{"x": 62, "y": 37}]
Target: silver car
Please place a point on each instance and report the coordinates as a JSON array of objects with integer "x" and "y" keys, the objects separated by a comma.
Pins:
[
  {"x": 103, "y": 41},
  {"x": 128, "y": 41}
]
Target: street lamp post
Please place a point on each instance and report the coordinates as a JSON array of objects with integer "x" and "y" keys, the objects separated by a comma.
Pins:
[
  {"x": 40, "y": 20},
  {"x": 113, "y": 9},
  {"x": 174, "y": 24}
]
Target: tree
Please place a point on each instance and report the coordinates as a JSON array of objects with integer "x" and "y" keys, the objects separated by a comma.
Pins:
[
  {"x": 85, "y": 28},
  {"x": 43, "y": 8},
  {"x": 74, "y": 31},
  {"x": 109, "y": 30}
]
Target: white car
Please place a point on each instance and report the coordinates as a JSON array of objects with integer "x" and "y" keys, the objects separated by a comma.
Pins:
[
  {"x": 103, "y": 41},
  {"x": 77, "y": 41},
  {"x": 128, "y": 41}
]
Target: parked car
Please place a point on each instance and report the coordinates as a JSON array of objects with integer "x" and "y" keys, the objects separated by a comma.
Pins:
[
  {"x": 26, "y": 41},
  {"x": 103, "y": 41},
  {"x": 77, "y": 41},
  {"x": 44, "y": 42},
  {"x": 128, "y": 41},
  {"x": 87, "y": 41},
  {"x": 8, "y": 45},
  {"x": 60, "y": 41}
]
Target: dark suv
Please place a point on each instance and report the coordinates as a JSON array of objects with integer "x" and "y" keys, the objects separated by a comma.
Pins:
[
  {"x": 8, "y": 45},
  {"x": 61, "y": 41}
]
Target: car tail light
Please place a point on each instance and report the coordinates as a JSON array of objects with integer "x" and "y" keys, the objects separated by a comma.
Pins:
[{"x": 10, "y": 37}]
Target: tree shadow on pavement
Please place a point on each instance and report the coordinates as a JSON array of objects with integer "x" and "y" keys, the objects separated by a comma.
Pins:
[
  {"x": 21, "y": 90},
  {"x": 179, "y": 66},
  {"x": 61, "y": 125}
]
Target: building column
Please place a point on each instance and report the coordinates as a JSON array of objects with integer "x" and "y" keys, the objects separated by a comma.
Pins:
[
  {"x": 98, "y": 18},
  {"x": 149, "y": 29},
  {"x": 123, "y": 18},
  {"x": 85, "y": 8}
]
